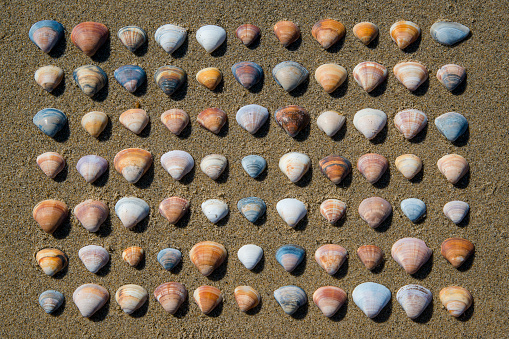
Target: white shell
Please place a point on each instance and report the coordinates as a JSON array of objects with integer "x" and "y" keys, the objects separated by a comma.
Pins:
[
  {"x": 371, "y": 298},
  {"x": 291, "y": 210},
  {"x": 177, "y": 163},
  {"x": 170, "y": 37},
  {"x": 330, "y": 122},
  {"x": 131, "y": 210},
  {"x": 414, "y": 299},
  {"x": 210, "y": 37},
  {"x": 214, "y": 209},
  {"x": 250, "y": 255},
  {"x": 131, "y": 297},
  {"x": 369, "y": 122},
  {"x": 213, "y": 165},
  {"x": 456, "y": 210},
  {"x": 294, "y": 165},
  {"x": 252, "y": 117},
  {"x": 94, "y": 257}
]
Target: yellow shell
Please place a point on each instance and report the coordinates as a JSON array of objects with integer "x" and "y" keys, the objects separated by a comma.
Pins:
[
  {"x": 94, "y": 122},
  {"x": 207, "y": 298},
  {"x": 209, "y": 77},
  {"x": 51, "y": 260},
  {"x": 404, "y": 33},
  {"x": 366, "y": 32}
]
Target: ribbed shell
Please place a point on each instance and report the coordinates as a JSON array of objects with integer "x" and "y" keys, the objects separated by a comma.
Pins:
[
  {"x": 411, "y": 254},
  {"x": 132, "y": 37},
  {"x": 45, "y": 34},
  {"x": 330, "y": 257},
  {"x": 409, "y": 165},
  {"x": 131, "y": 297},
  {"x": 246, "y": 297},
  {"x": 411, "y": 74},
  {"x": 451, "y": 76},
  {"x": 212, "y": 119},
  {"x": 414, "y": 299},
  {"x": 332, "y": 210},
  {"x": 247, "y": 73},
  {"x": 330, "y": 76},
  {"x": 207, "y": 256},
  {"x": 134, "y": 120},
  {"x": 133, "y": 255},
  {"x": 372, "y": 166},
  {"x": 290, "y": 298},
  {"x": 410, "y": 122},
  {"x": 327, "y": 32},
  {"x": 89, "y": 36},
  {"x": 453, "y": 167},
  {"x": 91, "y": 167},
  {"x": 404, "y": 33},
  {"x": 456, "y": 211},
  {"x": 213, "y": 165},
  {"x": 370, "y": 255},
  {"x": 252, "y": 117},
  {"x": 252, "y": 208},
  {"x": 456, "y": 300},
  {"x": 49, "y": 77},
  {"x": 254, "y": 165},
  {"x": 173, "y": 208},
  {"x": 207, "y": 298},
  {"x": 369, "y": 75},
  {"x": 247, "y": 33},
  {"x": 329, "y": 299},
  {"x": 169, "y": 258},
  {"x": 90, "y": 79},
  {"x": 169, "y": 78},
  {"x": 94, "y": 257},
  {"x": 91, "y": 214},
  {"x": 51, "y": 163},
  {"x": 51, "y": 300},
  {"x": 170, "y": 295},
  {"x": 374, "y": 211},
  {"x": 130, "y": 77},
  {"x": 290, "y": 256},
  {"x": 371, "y": 298},
  {"x": 175, "y": 120},
  {"x": 177, "y": 163},
  {"x": 50, "y": 214}
]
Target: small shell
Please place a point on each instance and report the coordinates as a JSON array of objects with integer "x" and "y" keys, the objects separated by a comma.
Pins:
[
  {"x": 50, "y": 121},
  {"x": 291, "y": 211},
  {"x": 252, "y": 208},
  {"x": 94, "y": 122},
  {"x": 371, "y": 298},
  {"x": 49, "y": 77},
  {"x": 335, "y": 168},
  {"x": 207, "y": 256},
  {"x": 51, "y": 300},
  {"x": 91, "y": 167},
  {"x": 414, "y": 299},
  {"x": 250, "y": 255},
  {"x": 212, "y": 119},
  {"x": 365, "y": 32},
  {"x": 333, "y": 210},
  {"x": 410, "y": 122},
  {"x": 169, "y": 258},
  {"x": 170, "y": 295},
  {"x": 207, "y": 298},
  {"x": 453, "y": 167},
  {"x": 370, "y": 255},
  {"x": 409, "y": 165},
  {"x": 456, "y": 211},
  {"x": 131, "y": 297},
  {"x": 452, "y": 125},
  {"x": 133, "y": 255},
  {"x": 372, "y": 166},
  {"x": 247, "y": 73},
  {"x": 91, "y": 214},
  {"x": 404, "y": 33},
  {"x": 90, "y": 79},
  {"x": 286, "y": 32},
  {"x": 254, "y": 165},
  {"x": 451, "y": 76},
  {"x": 292, "y": 118},
  {"x": 51, "y": 260},
  {"x": 413, "y": 208},
  {"x": 252, "y": 117},
  {"x": 290, "y": 256},
  {"x": 50, "y": 214},
  {"x": 411, "y": 74},
  {"x": 246, "y": 297},
  {"x": 175, "y": 120},
  {"x": 411, "y": 254},
  {"x": 330, "y": 76},
  {"x": 89, "y": 36},
  {"x": 330, "y": 122},
  {"x": 173, "y": 209},
  {"x": 369, "y": 122},
  {"x": 170, "y": 37},
  {"x": 170, "y": 78},
  {"x": 94, "y": 257},
  {"x": 132, "y": 37},
  {"x": 177, "y": 163},
  {"x": 247, "y": 33},
  {"x": 449, "y": 33},
  {"x": 456, "y": 300},
  {"x": 294, "y": 165},
  {"x": 51, "y": 163},
  {"x": 290, "y": 298},
  {"x": 210, "y": 37},
  {"x": 132, "y": 163},
  {"x": 369, "y": 75},
  {"x": 374, "y": 211},
  {"x": 45, "y": 34},
  {"x": 289, "y": 75},
  {"x": 457, "y": 250},
  {"x": 213, "y": 165},
  {"x": 329, "y": 299},
  {"x": 89, "y": 298},
  {"x": 209, "y": 77},
  {"x": 130, "y": 76},
  {"x": 327, "y": 32},
  {"x": 131, "y": 211},
  {"x": 214, "y": 210},
  {"x": 134, "y": 120},
  {"x": 330, "y": 257}
]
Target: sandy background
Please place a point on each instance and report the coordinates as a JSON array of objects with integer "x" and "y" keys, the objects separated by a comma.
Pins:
[{"x": 482, "y": 100}]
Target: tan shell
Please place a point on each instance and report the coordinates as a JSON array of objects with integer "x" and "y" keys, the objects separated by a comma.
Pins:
[
  {"x": 50, "y": 214},
  {"x": 330, "y": 257},
  {"x": 173, "y": 208},
  {"x": 369, "y": 75},
  {"x": 330, "y": 76},
  {"x": 372, "y": 166},
  {"x": 370, "y": 255},
  {"x": 410, "y": 122},
  {"x": 212, "y": 119},
  {"x": 453, "y": 167},
  {"x": 404, "y": 33},
  {"x": 411, "y": 254},
  {"x": 286, "y": 32},
  {"x": 132, "y": 163},
  {"x": 365, "y": 32},
  {"x": 175, "y": 120},
  {"x": 133, "y": 255},
  {"x": 94, "y": 122},
  {"x": 51, "y": 260},
  {"x": 327, "y": 32},
  {"x": 332, "y": 210},
  {"x": 409, "y": 165},
  {"x": 457, "y": 250},
  {"x": 131, "y": 297},
  {"x": 456, "y": 300},
  {"x": 49, "y": 77},
  {"x": 374, "y": 211},
  {"x": 134, "y": 120},
  {"x": 207, "y": 256},
  {"x": 51, "y": 163},
  {"x": 207, "y": 298},
  {"x": 170, "y": 295},
  {"x": 209, "y": 77},
  {"x": 246, "y": 297},
  {"x": 411, "y": 74}
]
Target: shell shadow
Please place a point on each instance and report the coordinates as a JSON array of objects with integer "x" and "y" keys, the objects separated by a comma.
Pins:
[
  {"x": 384, "y": 180},
  {"x": 102, "y": 94},
  {"x": 183, "y": 309},
  {"x": 224, "y": 176},
  {"x": 425, "y": 269},
  {"x": 64, "y": 229},
  {"x": 262, "y": 175},
  {"x": 146, "y": 131},
  {"x": 104, "y": 270},
  {"x": 103, "y": 179},
  {"x": 461, "y": 87},
  {"x": 140, "y": 312},
  {"x": 177, "y": 268},
  {"x": 106, "y": 133},
  {"x": 62, "y": 175},
  {"x": 59, "y": 90},
  {"x": 379, "y": 90},
  {"x": 379, "y": 268},
  {"x": 105, "y": 228},
  {"x": 426, "y": 315},
  {"x": 184, "y": 220},
  {"x": 186, "y": 132},
  {"x": 346, "y": 182},
  {"x": 220, "y": 272},
  {"x": 101, "y": 314},
  {"x": 468, "y": 313},
  {"x": 294, "y": 45},
  {"x": 221, "y": 50},
  {"x": 380, "y": 137},
  {"x": 301, "y": 89},
  {"x": 62, "y": 273},
  {"x": 306, "y": 178},
  {"x": 301, "y": 312},
  {"x": 104, "y": 51},
  {"x": 374, "y": 44},
  {"x": 141, "y": 90},
  {"x": 467, "y": 264},
  {"x": 224, "y": 130},
  {"x": 59, "y": 49},
  {"x": 181, "y": 92},
  {"x": 142, "y": 225},
  {"x": 420, "y": 136},
  {"x": 341, "y": 313},
  {"x": 256, "y": 42},
  {"x": 303, "y": 134},
  {"x": 182, "y": 50},
  {"x": 414, "y": 46},
  {"x": 340, "y": 135},
  {"x": 384, "y": 226},
  {"x": 63, "y": 134},
  {"x": 337, "y": 46},
  {"x": 147, "y": 178},
  {"x": 463, "y": 183},
  {"x": 299, "y": 270},
  {"x": 418, "y": 177},
  {"x": 463, "y": 139},
  {"x": 260, "y": 266},
  {"x": 263, "y": 130},
  {"x": 216, "y": 312},
  {"x": 261, "y": 220},
  {"x": 340, "y": 91},
  {"x": 224, "y": 220},
  {"x": 189, "y": 177},
  {"x": 465, "y": 221},
  {"x": 385, "y": 314},
  {"x": 142, "y": 50},
  {"x": 255, "y": 310},
  {"x": 343, "y": 270},
  {"x": 141, "y": 264},
  {"x": 422, "y": 89},
  {"x": 59, "y": 310},
  {"x": 257, "y": 88}
]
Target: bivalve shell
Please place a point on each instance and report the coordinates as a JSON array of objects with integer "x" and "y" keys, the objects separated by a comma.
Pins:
[
  {"x": 457, "y": 250},
  {"x": 330, "y": 122},
  {"x": 413, "y": 208},
  {"x": 91, "y": 214},
  {"x": 409, "y": 165},
  {"x": 365, "y": 32},
  {"x": 94, "y": 123},
  {"x": 134, "y": 120},
  {"x": 330, "y": 257},
  {"x": 369, "y": 122},
  {"x": 207, "y": 298},
  {"x": 212, "y": 119},
  {"x": 175, "y": 120},
  {"x": 252, "y": 208},
  {"x": 133, "y": 255},
  {"x": 330, "y": 76},
  {"x": 291, "y": 211},
  {"x": 452, "y": 125},
  {"x": 286, "y": 32},
  {"x": 51, "y": 163},
  {"x": 414, "y": 299},
  {"x": 170, "y": 37},
  {"x": 456, "y": 300},
  {"x": 370, "y": 255},
  {"x": 411, "y": 74},
  {"x": 246, "y": 297},
  {"x": 94, "y": 257},
  {"x": 290, "y": 256},
  {"x": 132, "y": 37},
  {"x": 177, "y": 163},
  {"x": 374, "y": 211},
  {"x": 289, "y": 75},
  {"x": 290, "y": 298},
  {"x": 410, "y": 122},
  {"x": 254, "y": 165},
  {"x": 411, "y": 254},
  {"x": 51, "y": 260},
  {"x": 449, "y": 33},
  {"x": 169, "y": 258},
  {"x": 372, "y": 166},
  {"x": 453, "y": 167},
  {"x": 131, "y": 297},
  {"x": 213, "y": 165},
  {"x": 252, "y": 117},
  {"x": 456, "y": 211},
  {"x": 209, "y": 77},
  {"x": 247, "y": 33},
  {"x": 50, "y": 121},
  {"x": 371, "y": 298},
  {"x": 451, "y": 76},
  {"x": 335, "y": 168},
  {"x": 51, "y": 300},
  {"x": 89, "y": 298},
  {"x": 294, "y": 165},
  {"x": 91, "y": 167},
  {"x": 45, "y": 34},
  {"x": 90, "y": 79},
  {"x": 49, "y": 77},
  {"x": 329, "y": 299},
  {"x": 247, "y": 73},
  {"x": 132, "y": 163},
  {"x": 327, "y": 32},
  {"x": 250, "y": 255},
  {"x": 210, "y": 37},
  {"x": 173, "y": 208},
  {"x": 369, "y": 75},
  {"x": 292, "y": 119},
  {"x": 131, "y": 211},
  {"x": 404, "y": 33},
  {"x": 207, "y": 256},
  {"x": 89, "y": 36},
  {"x": 214, "y": 210},
  {"x": 170, "y": 295},
  {"x": 332, "y": 210},
  {"x": 169, "y": 78},
  {"x": 50, "y": 214},
  {"x": 131, "y": 77}
]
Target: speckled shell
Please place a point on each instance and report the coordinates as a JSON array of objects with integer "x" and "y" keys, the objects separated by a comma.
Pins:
[
  {"x": 365, "y": 32},
  {"x": 330, "y": 76},
  {"x": 45, "y": 34},
  {"x": 369, "y": 122},
  {"x": 290, "y": 298},
  {"x": 49, "y": 77},
  {"x": 133, "y": 255},
  {"x": 414, "y": 299},
  {"x": 252, "y": 208},
  {"x": 132, "y": 163},
  {"x": 131, "y": 211},
  {"x": 294, "y": 165},
  {"x": 170, "y": 295},
  {"x": 286, "y": 32},
  {"x": 291, "y": 211},
  {"x": 333, "y": 210},
  {"x": 94, "y": 257},
  {"x": 214, "y": 210},
  {"x": 210, "y": 37},
  {"x": 134, "y": 119},
  {"x": 456, "y": 211},
  {"x": 254, "y": 165},
  {"x": 131, "y": 297},
  {"x": 173, "y": 209},
  {"x": 247, "y": 33},
  {"x": 374, "y": 211},
  {"x": 453, "y": 167},
  {"x": 250, "y": 255},
  {"x": 289, "y": 75},
  {"x": 449, "y": 33},
  {"x": 457, "y": 250},
  {"x": 372, "y": 166},
  {"x": 175, "y": 120},
  {"x": 170, "y": 37},
  {"x": 209, "y": 77},
  {"x": 330, "y": 122},
  {"x": 404, "y": 33},
  {"x": 51, "y": 300},
  {"x": 51, "y": 260},
  {"x": 409, "y": 165},
  {"x": 89, "y": 298},
  {"x": 132, "y": 37},
  {"x": 369, "y": 75},
  {"x": 292, "y": 119},
  {"x": 212, "y": 119},
  {"x": 411, "y": 74},
  {"x": 329, "y": 299},
  {"x": 413, "y": 208},
  {"x": 50, "y": 121},
  {"x": 411, "y": 254},
  {"x": 213, "y": 165},
  {"x": 330, "y": 257},
  {"x": 130, "y": 77},
  {"x": 451, "y": 76},
  {"x": 410, "y": 122},
  {"x": 51, "y": 163},
  {"x": 89, "y": 36},
  {"x": 177, "y": 163},
  {"x": 207, "y": 298},
  {"x": 246, "y": 297},
  {"x": 252, "y": 117},
  {"x": 50, "y": 214},
  {"x": 169, "y": 78},
  {"x": 91, "y": 214},
  {"x": 456, "y": 300},
  {"x": 327, "y": 32},
  {"x": 169, "y": 258},
  {"x": 335, "y": 168},
  {"x": 452, "y": 125},
  {"x": 91, "y": 167},
  {"x": 247, "y": 73},
  {"x": 90, "y": 79},
  {"x": 290, "y": 256},
  {"x": 370, "y": 255},
  {"x": 207, "y": 256},
  {"x": 94, "y": 123},
  {"x": 371, "y": 298}
]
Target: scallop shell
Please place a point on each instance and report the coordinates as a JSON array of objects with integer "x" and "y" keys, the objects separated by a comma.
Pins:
[
  {"x": 290, "y": 298},
  {"x": 409, "y": 165},
  {"x": 209, "y": 77},
  {"x": 330, "y": 257},
  {"x": 374, "y": 211},
  {"x": 456, "y": 211},
  {"x": 214, "y": 210},
  {"x": 252, "y": 208},
  {"x": 246, "y": 297},
  {"x": 134, "y": 120},
  {"x": 411, "y": 254},
  {"x": 292, "y": 119},
  {"x": 89, "y": 298},
  {"x": 212, "y": 119},
  {"x": 133, "y": 255},
  {"x": 131, "y": 211},
  {"x": 369, "y": 122},
  {"x": 370, "y": 255},
  {"x": 49, "y": 77},
  {"x": 371, "y": 298},
  {"x": 91, "y": 167},
  {"x": 51, "y": 163},
  {"x": 453, "y": 167},
  {"x": 94, "y": 122},
  {"x": 327, "y": 32},
  {"x": 452, "y": 125},
  {"x": 254, "y": 165},
  {"x": 411, "y": 74},
  {"x": 207, "y": 256},
  {"x": 170, "y": 295},
  {"x": 330, "y": 76},
  {"x": 50, "y": 121},
  {"x": 170, "y": 37},
  {"x": 330, "y": 122},
  {"x": 247, "y": 73},
  {"x": 177, "y": 163},
  {"x": 131, "y": 297},
  {"x": 132, "y": 163},
  {"x": 333, "y": 210},
  {"x": 51, "y": 300},
  {"x": 369, "y": 75},
  {"x": 404, "y": 33},
  {"x": 451, "y": 76},
  {"x": 372, "y": 166},
  {"x": 294, "y": 165},
  {"x": 90, "y": 79},
  {"x": 173, "y": 209},
  {"x": 51, "y": 260},
  {"x": 213, "y": 165},
  {"x": 335, "y": 168},
  {"x": 132, "y": 37},
  {"x": 175, "y": 120},
  {"x": 210, "y": 37},
  {"x": 413, "y": 208},
  {"x": 252, "y": 117},
  {"x": 414, "y": 299},
  {"x": 89, "y": 36},
  {"x": 91, "y": 214},
  {"x": 45, "y": 34},
  {"x": 449, "y": 33},
  {"x": 365, "y": 32},
  {"x": 456, "y": 300},
  {"x": 286, "y": 32},
  {"x": 250, "y": 255},
  {"x": 291, "y": 211},
  {"x": 457, "y": 250},
  {"x": 94, "y": 257},
  {"x": 207, "y": 298},
  {"x": 410, "y": 122},
  {"x": 247, "y": 33},
  {"x": 50, "y": 214},
  {"x": 329, "y": 299},
  {"x": 169, "y": 258},
  {"x": 130, "y": 77},
  {"x": 289, "y": 75},
  {"x": 290, "y": 256},
  {"x": 170, "y": 78}
]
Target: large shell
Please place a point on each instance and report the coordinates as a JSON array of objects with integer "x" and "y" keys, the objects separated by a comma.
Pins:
[
  {"x": 247, "y": 73},
  {"x": 252, "y": 117},
  {"x": 456, "y": 211},
  {"x": 246, "y": 297},
  {"x": 369, "y": 122},
  {"x": 404, "y": 33},
  {"x": 294, "y": 165},
  {"x": 414, "y": 299},
  {"x": 335, "y": 167},
  {"x": 51, "y": 260},
  {"x": 169, "y": 78},
  {"x": 90, "y": 79},
  {"x": 332, "y": 210},
  {"x": 214, "y": 210},
  {"x": 94, "y": 122},
  {"x": 170, "y": 295},
  {"x": 330, "y": 122},
  {"x": 410, "y": 122},
  {"x": 411, "y": 254},
  {"x": 94, "y": 257},
  {"x": 254, "y": 165},
  {"x": 451, "y": 76},
  {"x": 329, "y": 299},
  {"x": 327, "y": 32},
  {"x": 91, "y": 214},
  {"x": 49, "y": 77},
  {"x": 453, "y": 167},
  {"x": 134, "y": 119},
  {"x": 369, "y": 74},
  {"x": 365, "y": 32},
  {"x": 51, "y": 300},
  {"x": 252, "y": 208},
  {"x": 409, "y": 165},
  {"x": 213, "y": 165},
  {"x": 374, "y": 211},
  {"x": 173, "y": 208},
  {"x": 132, "y": 37},
  {"x": 250, "y": 255},
  {"x": 177, "y": 163},
  {"x": 207, "y": 256},
  {"x": 175, "y": 120},
  {"x": 449, "y": 33},
  {"x": 170, "y": 37},
  {"x": 209, "y": 77},
  {"x": 290, "y": 256},
  {"x": 210, "y": 37},
  {"x": 291, "y": 211},
  {"x": 286, "y": 32},
  {"x": 50, "y": 214},
  {"x": 51, "y": 163},
  {"x": 413, "y": 208},
  {"x": 50, "y": 121},
  {"x": 452, "y": 125},
  {"x": 130, "y": 76},
  {"x": 169, "y": 258},
  {"x": 411, "y": 74},
  {"x": 131, "y": 297},
  {"x": 330, "y": 257},
  {"x": 89, "y": 36},
  {"x": 456, "y": 300},
  {"x": 330, "y": 76},
  {"x": 132, "y": 163},
  {"x": 212, "y": 119},
  {"x": 133, "y": 255},
  {"x": 131, "y": 211},
  {"x": 457, "y": 250},
  {"x": 91, "y": 167},
  {"x": 290, "y": 298},
  {"x": 289, "y": 75},
  {"x": 45, "y": 34},
  {"x": 292, "y": 118},
  {"x": 370, "y": 255},
  {"x": 207, "y": 298},
  {"x": 372, "y": 166},
  {"x": 247, "y": 33},
  {"x": 371, "y": 298},
  {"x": 89, "y": 298}
]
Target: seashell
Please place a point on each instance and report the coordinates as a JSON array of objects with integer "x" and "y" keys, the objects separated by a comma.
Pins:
[
  {"x": 448, "y": 33},
  {"x": 330, "y": 257},
  {"x": 51, "y": 260},
  {"x": 131, "y": 210},
  {"x": 250, "y": 255},
  {"x": 330, "y": 122},
  {"x": 411, "y": 254},
  {"x": 291, "y": 211},
  {"x": 210, "y": 37},
  {"x": 252, "y": 117},
  {"x": 254, "y": 165},
  {"x": 131, "y": 297},
  {"x": 89, "y": 298},
  {"x": 207, "y": 298},
  {"x": 132, "y": 163},
  {"x": 335, "y": 167},
  {"x": 50, "y": 121},
  {"x": 457, "y": 250},
  {"x": 214, "y": 210},
  {"x": 252, "y": 208},
  {"x": 327, "y": 32},
  {"x": 290, "y": 256},
  {"x": 333, "y": 210},
  {"x": 413, "y": 208},
  {"x": 286, "y": 32},
  {"x": 50, "y": 214},
  {"x": 414, "y": 299},
  {"x": 90, "y": 79},
  {"x": 330, "y": 76},
  {"x": 175, "y": 120},
  {"x": 292, "y": 118},
  {"x": 369, "y": 75},
  {"x": 170, "y": 37},
  {"x": 329, "y": 299},
  {"x": 456, "y": 300},
  {"x": 247, "y": 33},
  {"x": 246, "y": 297},
  {"x": 91, "y": 167},
  {"x": 130, "y": 76},
  {"x": 209, "y": 77},
  {"x": 410, "y": 122},
  {"x": 371, "y": 298},
  {"x": 49, "y": 77},
  {"x": 207, "y": 256},
  {"x": 365, "y": 32},
  {"x": 290, "y": 298},
  {"x": 170, "y": 295},
  {"x": 453, "y": 167},
  {"x": 173, "y": 208},
  {"x": 51, "y": 163},
  {"x": 372, "y": 166},
  {"x": 409, "y": 165},
  {"x": 132, "y": 37},
  {"x": 169, "y": 258},
  {"x": 456, "y": 211},
  {"x": 91, "y": 214},
  {"x": 452, "y": 125},
  {"x": 213, "y": 165},
  {"x": 294, "y": 165},
  {"x": 374, "y": 211},
  {"x": 451, "y": 76},
  {"x": 45, "y": 34},
  {"x": 134, "y": 120},
  {"x": 170, "y": 78},
  {"x": 94, "y": 122},
  {"x": 404, "y": 33},
  {"x": 410, "y": 74},
  {"x": 212, "y": 119},
  {"x": 247, "y": 73},
  {"x": 133, "y": 255},
  {"x": 289, "y": 75},
  {"x": 177, "y": 163},
  {"x": 89, "y": 36},
  {"x": 94, "y": 257},
  {"x": 51, "y": 300},
  {"x": 369, "y": 122},
  {"x": 370, "y": 255}
]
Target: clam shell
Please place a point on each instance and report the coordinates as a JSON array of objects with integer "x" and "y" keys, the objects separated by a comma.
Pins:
[
  {"x": 254, "y": 165},
  {"x": 246, "y": 297},
  {"x": 175, "y": 120},
  {"x": 177, "y": 163},
  {"x": 332, "y": 210},
  {"x": 94, "y": 122},
  {"x": 335, "y": 168},
  {"x": 170, "y": 37},
  {"x": 134, "y": 120},
  {"x": 411, "y": 254},
  {"x": 327, "y": 32},
  {"x": 212, "y": 119},
  {"x": 410, "y": 122},
  {"x": 413, "y": 208},
  {"x": 50, "y": 121},
  {"x": 45, "y": 34},
  {"x": 132, "y": 163},
  {"x": 247, "y": 33},
  {"x": 51, "y": 260},
  {"x": 209, "y": 77},
  {"x": 289, "y": 75},
  {"x": 130, "y": 76},
  {"x": 207, "y": 256},
  {"x": 286, "y": 32},
  {"x": 252, "y": 117},
  {"x": 89, "y": 298},
  {"x": 250, "y": 255},
  {"x": 456, "y": 211},
  {"x": 294, "y": 165},
  {"x": 365, "y": 32},
  {"x": 94, "y": 257},
  {"x": 132, "y": 37},
  {"x": 404, "y": 33},
  {"x": 131, "y": 297},
  {"x": 370, "y": 255},
  {"x": 449, "y": 33},
  {"x": 457, "y": 250},
  {"x": 330, "y": 76},
  {"x": 453, "y": 167},
  {"x": 170, "y": 295},
  {"x": 91, "y": 167},
  {"x": 214, "y": 210},
  {"x": 369, "y": 75},
  {"x": 131, "y": 211},
  {"x": 49, "y": 77},
  {"x": 169, "y": 258},
  {"x": 409, "y": 165},
  {"x": 252, "y": 208},
  {"x": 173, "y": 209},
  {"x": 50, "y": 214},
  {"x": 411, "y": 74},
  {"x": 91, "y": 214},
  {"x": 414, "y": 299},
  {"x": 51, "y": 300},
  {"x": 290, "y": 298},
  {"x": 51, "y": 163},
  {"x": 207, "y": 298},
  {"x": 90, "y": 79},
  {"x": 330, "y": 257},
  {"x": 371, "y": 298},
  {"x": 451, "y": 76},
  {"x": 329, "y": 299},
  {"x": 247, "y": 73},
  {"x": 170, "y": 78},
  {"x": 372, "y": 166},
  {"x": 133, "y": 255},
  {"x": 291, "y": 211},
  {"x": 456, "y": 300},
  {"x": 210, "y": 37},
  {"x": 213, "y": 165},
  {"x": 290, "y": 256},
  {"x": 452, "y": 125},
  {"x": 374, "y": 211},
  {"x": 369, "y": 122},
  {"x": 330, "y": 122},
  {"x": 89, "y": 36},
  {"x": 292, "y": 119}
]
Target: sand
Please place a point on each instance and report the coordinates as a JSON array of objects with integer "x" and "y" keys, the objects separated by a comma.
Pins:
[{"x": 482, "y": 100}]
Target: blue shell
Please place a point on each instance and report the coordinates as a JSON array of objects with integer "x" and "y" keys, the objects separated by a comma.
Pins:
[
  {"x": 449, "y": 33},
  {"x": 50, "y": 121},
  {"x": 413, "y": 208},
  {"x": 169, "y": 78},
  {"x": 252, "y": 208},
  {"x": 51, "y": 300},
  {"x": 254, "y": 165},
  {"x": 452, "y": 125},
  {"x": 169, "y": 258},
  {"x": 290, "y": 298},
  {"x": 48, "y": 41},
  {"x": 90, "y": 79},
  {"x": 371, "y": 298},
  {"x": 131, "y": 77},
  {"x": 247, "y": 73},
  {"x": 290, "y": 256}
]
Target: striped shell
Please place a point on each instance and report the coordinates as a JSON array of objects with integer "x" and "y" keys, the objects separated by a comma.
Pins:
[
  {"x": 207, "y": 298},
  {"x": 134, "y": 119},
  {"x": 131, "y": 297},
  {"x": 170, "y": 78},
  {"x": 411, "y": 74},
  {"x": 51, "y": 260},
  {"x": 207, "y": 256},
  {"x": 451, "y": 76},
  {"x": 173, "y": 209},
  {"x": 132, "y": 163},
  {"x": 327, "y": 32},
  {"x": 132, "y": 37},
  {"x": 90, "y": 298},
  {"x": 369, "y": 75},
  {"x": 51, "y": 163},
  {"x": 457, "y": 250},
  {"x": 374, "y": 211},
  {"x": 91, "y": 214},
  {"x": 247, "y": 33},
  {"x": 175, "y": 120},
  {"x": 209, "y": 77},
  {"x": 335, "y": 168},
  {"x": 89, "y": 36},
  {"x": 410, "y": 122},
  {"x": 170, "y": 37},
  {"x": 90, "y": 79},
  {"x": 170, "y": 295},
  {"x": 212, "y": 119},
  {"x": 50, "y": 214},
  {"x": 332, "y": 210},
  {"x": 456, "y": 300},
  {"x": 286, "y": 32},
  {"x": 292, "y": 119},
  {"x": 45, "y": 34},
  {"x": 411, "y": 254},
  {"x": 330, "y": 257},
  {"x": 49, "y": 77},
  {"x": 365, "y": 32},
  {"x": 404, "y": 33},
  {"x": 409, "y": 165},
  {"x": 453, "y": 167},
  {"x": 330, "y": 76},
  {"x": 372, "y": 166},
  {"x": 246, "y": 297},
  {"x": 94, "y": 123},
  {"x": 177, "y": 163},
  {"x": 329, "y": 299}
]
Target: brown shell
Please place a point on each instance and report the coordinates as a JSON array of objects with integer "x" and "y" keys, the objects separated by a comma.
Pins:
[
  {"x": 365, "y": 32},
  {"x": 247, "y": 33},
  {"x": 370, "y": 255},
  {"x": 207, "y": 298},
  {"x": 327, "y": 32},
  {"x": 212, "y": 119},
  {"x": 51, "y": 260},
  {"x": 175, "y": 120},
  {"x": 173, "y": 208},
  {"x": 89, "y": 36},
  {"x": 246, "y": 297},
  {"x": 372, "y": 166},
  {"x": 293, "y": 119},
  {"x": 133, "y": 255},
  {"x": 49, "y": 214},
  {"x": 335, "y": 167},
  {"x": 51, "y": 163},
  {"x": 207, "y": 256},
  {"x": 457, "y": 250},
  {"x": 286, "y": 32}
]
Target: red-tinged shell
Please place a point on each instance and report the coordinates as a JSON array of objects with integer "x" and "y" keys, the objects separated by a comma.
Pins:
[
  {"x": 370, "y": 255},
  {"x": 133, "y": 255},
  {"x": 330, "y": 257},
  {"x": 369, "y": 75},
  {"x": 207, "y": 256},
  {"x": 51, "y": 163},
  {"x": 50, "y": 214},
  {"x": 374, "y": 211},
  {"x": 333, "y": 210},
  {"x": 247, "y": 33},
  {"x": 292, "y": 118},
  {"x": 89, "y": 36},
  {"x": 207, "y": 298},
  {"x": 175, "y": 120},
  {"x": 212, "y": 119},
  {"x": 170, "y": 295},
  {"x": 335, "y": 168},
  {"x": 457, "y": 250},
  {"x": 329, "y": 299},
  {"x": 372, "y": 166},
  {"x": 91, "y": 214},
  {"x": 411, "y": 254},
  {"x": 327, "y": 32},
  {"x": 410, "y": 122},
  {"x": 173, "y": 208},
  {"x": 286, "y": 32},
  {"x": 246, "y": 297},
  {"x": 453, "y": 167}
]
